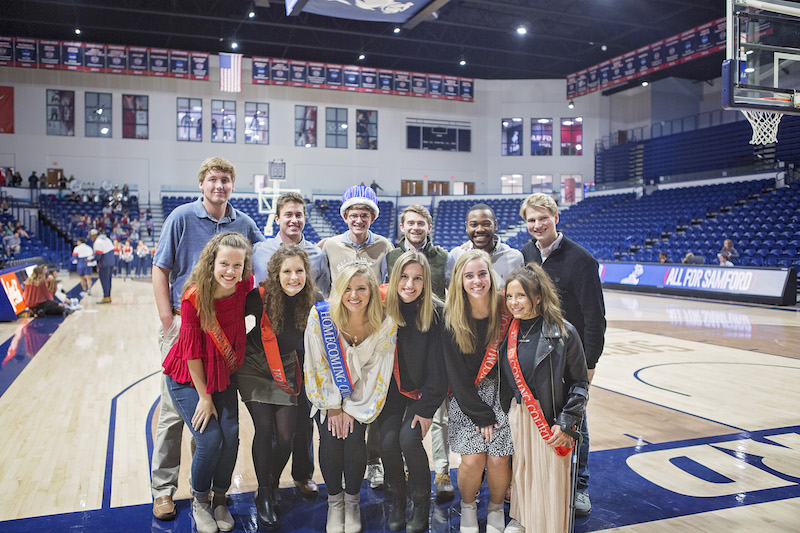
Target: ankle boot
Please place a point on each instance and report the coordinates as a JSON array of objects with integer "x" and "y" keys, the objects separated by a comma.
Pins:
[
  {"x": 397, "y": 515},
  {"x": 352, "y": 513},
  {"x": 277, "y": 503},
  {"x": 421, "y": 499},
  {"x": 335, "y": 523},
  {"x": 469, "y": 518},
  {"x": 265, "y": 511}
]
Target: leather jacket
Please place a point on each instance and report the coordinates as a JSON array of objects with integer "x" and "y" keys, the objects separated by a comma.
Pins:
[{"x": 569, "y": 384}]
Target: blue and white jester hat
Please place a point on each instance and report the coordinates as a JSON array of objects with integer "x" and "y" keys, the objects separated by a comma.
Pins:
[{"x": 359, "y": 194}]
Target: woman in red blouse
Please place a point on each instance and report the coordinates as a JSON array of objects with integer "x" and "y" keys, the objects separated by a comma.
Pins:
[{"x": 200, "y": 371}]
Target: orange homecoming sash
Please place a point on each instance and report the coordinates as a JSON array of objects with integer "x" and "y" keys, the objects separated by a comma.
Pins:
[
  {"x": 490, "y": 357},
  {"x": 414, "y": 394},
  {"x": 274, "y": 361},
  {"x": 527, "y": 396},
  {"x": 217, "y": 335}
]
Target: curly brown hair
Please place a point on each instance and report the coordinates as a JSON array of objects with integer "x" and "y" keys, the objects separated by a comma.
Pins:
[{"x": 275, "y": 300}]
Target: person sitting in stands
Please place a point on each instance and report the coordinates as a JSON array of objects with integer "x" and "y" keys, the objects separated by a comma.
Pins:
[
  {"x": 692, "y": 259},
  {"x": 13, "y": 244},
  {"x": 38, "y": 297},
  {"x": 724, "y": 259},
  {"x": 727, "y": 247},
  {"x": 662, "y": 257}
]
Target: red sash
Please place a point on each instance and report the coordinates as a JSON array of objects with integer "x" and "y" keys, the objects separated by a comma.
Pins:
[
  {"x": 527, "y": 396},
  {"x": 274, "y": 361},
  {"x": 414, "y": 394},
  {"x": 490, "y": 357},
  {"x": 217, "y": 335}
]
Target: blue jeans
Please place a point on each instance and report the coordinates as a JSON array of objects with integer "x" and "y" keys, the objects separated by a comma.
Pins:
[
  {"x": 583, "y": 458},
  {"x": 218, "y": 445}
]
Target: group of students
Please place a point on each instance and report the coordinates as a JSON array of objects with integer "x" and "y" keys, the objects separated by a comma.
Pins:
[{"x": 387, "y": 355}]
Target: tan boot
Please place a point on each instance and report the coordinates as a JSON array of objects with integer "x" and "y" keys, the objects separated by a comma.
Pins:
[
  {"x": 335, "y": 523},
  {"x": 352, "y": 513}
]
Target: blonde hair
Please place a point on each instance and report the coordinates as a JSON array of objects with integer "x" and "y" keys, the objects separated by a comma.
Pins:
[
  {"x": 535, "y": 282},
  {"x": 426, "y": 308},
  {"x": 202, "y": 275},
  {"x": 216, "y": 163},
  {"x": 539, "y": 199},
  {"x": 458, "y": 309},
  {"x": 340, "y": 314},
  {"x": 37, "y": 276}
]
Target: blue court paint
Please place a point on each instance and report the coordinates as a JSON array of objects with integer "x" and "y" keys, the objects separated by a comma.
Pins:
[
  {"x": 148, "y": 432},
  {"x": 112, "y": 424},
  {"x": 26, "y": 342}
]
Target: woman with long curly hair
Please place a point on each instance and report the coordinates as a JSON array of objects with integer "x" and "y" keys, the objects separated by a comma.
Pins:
[
  {"x": 348, "y": 367},
  {"x": 544, "y": 378},
  {"x": 475, "y": 324},
  {"x": 200, "y": 370},
  {"x": 270, "y": 380},
  {"x": 418, "y": 388}
]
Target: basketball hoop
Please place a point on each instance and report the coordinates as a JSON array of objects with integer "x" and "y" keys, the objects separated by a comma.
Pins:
[{"x": 765, "y": 125}]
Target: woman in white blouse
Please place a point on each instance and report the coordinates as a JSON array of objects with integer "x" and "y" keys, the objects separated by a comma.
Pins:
[{"x": 348, "y": 367}]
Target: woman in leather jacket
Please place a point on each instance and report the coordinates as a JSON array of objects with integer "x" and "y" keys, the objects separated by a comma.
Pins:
[{"x": 544, "y": 376}]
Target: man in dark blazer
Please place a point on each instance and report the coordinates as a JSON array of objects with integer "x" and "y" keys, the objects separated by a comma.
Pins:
[{"x": 575, "y": 274}]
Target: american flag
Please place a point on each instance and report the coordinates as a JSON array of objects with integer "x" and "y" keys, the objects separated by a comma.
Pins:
[{"x": 230, "y": 72}]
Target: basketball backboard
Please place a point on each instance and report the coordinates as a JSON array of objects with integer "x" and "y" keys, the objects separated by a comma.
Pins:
[{"x": 762, "y": 68}]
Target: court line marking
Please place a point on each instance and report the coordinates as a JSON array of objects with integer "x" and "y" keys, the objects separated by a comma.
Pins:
[
  {"x": 636, "y": 374},
  {"x": 112, "y": 423},
  {"x": 790, "y": 308}
]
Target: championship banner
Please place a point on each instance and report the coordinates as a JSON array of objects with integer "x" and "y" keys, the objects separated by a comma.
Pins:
[
  {"x": 334, "y": 76},
  {"x": 159, "y": 62},
  {"x": 369, "y": 80},
  {"x": 466, "y": 90},
  {"x": 435, "y": 86},
  {"x": 50, "y": 54},
  {"x": 117, "y": 59},
  {"x": 451, "y": 88},
  {"x": 419, "y": 84},
  {"x": 137, "y": 61},
  {"x": 72, "y": 56},
  {"x": 279, "y": 71},
  {"x": 199, "y": 65},
  {"x": 352, "y": 78},
  {"x": 402, "y": 83},
  {"x": 315, "y": 75},
  {"x": 25, "y": 53},
  {"x": 94, "y": 57},
  {"x": 297, "y": 73},
  {"x": 260, "y": 70},
  {"x": 6, "y": 51},
  {"x": 386, "y": 82},
  {"x": 179, "y": 64}
]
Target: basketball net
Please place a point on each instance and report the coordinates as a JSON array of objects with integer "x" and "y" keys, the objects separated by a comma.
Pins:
[{"x": 765, "y": 125}]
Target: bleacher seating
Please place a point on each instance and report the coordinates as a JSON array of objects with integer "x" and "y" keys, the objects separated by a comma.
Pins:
[{"x": 450, "y": 216}]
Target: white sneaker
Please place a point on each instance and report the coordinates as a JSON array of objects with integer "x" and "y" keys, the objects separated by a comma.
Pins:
[
  {"x": 469, "y": 518},
  {"x": 375, "y": 476},
  {"x": 514, "y": 527},
  {"x": 583, "y": 505}
]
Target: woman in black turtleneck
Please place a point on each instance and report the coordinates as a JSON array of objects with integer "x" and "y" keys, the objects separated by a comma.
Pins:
[
  {"x": 544, "y": 375},
  {"x": 417, "y": 389},
  {"x": 269, "y": 389}
]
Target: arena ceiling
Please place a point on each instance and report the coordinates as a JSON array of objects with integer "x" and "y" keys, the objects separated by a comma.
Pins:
[{"x": 563, "y": 36}]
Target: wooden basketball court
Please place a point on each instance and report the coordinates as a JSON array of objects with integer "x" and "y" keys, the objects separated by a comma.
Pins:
[{"x": 693, "y": 419}]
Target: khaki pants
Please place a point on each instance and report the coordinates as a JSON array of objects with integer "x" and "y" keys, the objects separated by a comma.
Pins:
[
  {"x": 439, "y": 447},
  {"x": 167, "y": 442}
]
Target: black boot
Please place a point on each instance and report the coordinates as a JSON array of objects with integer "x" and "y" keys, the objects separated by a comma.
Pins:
[
  {"x": 265, "y": 510},
  {"x": 277, "y": 503},
  {"x": 421, "y": 499},
  {"x": 397, "y": 516}
]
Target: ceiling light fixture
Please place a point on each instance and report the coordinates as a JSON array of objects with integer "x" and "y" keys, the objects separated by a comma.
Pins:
[
  {"x": 603, "y": 47},
  {"x": 361, "y": 57},
  {"x": 645, "y": 83},
  {"x": 396, "y": 29},
  {"x": 251, "y": 14},
  {"x": 77, "y": 31},
  {"x": 463, "y": 62},
  {"x": 522, "y": 30},
  {"x": 234, "y": 45},
  {"x": 571, "y": 104}
]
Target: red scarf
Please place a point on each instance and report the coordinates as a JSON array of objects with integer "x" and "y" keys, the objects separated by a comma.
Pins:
[
  {"x": 273, "y": 354},
  {"x": 217, "y": 335},
  {"x": 527, "y": 396}
]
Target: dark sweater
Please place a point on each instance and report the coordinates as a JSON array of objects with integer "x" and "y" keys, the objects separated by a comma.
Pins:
[
  {"x": 290, "y": 340},
  {"x": 420, "y": 361},
  {"x": 437, "y": 259},
  {"x": 462, "y": 369},
  {"x": 574, "y": 272}
]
